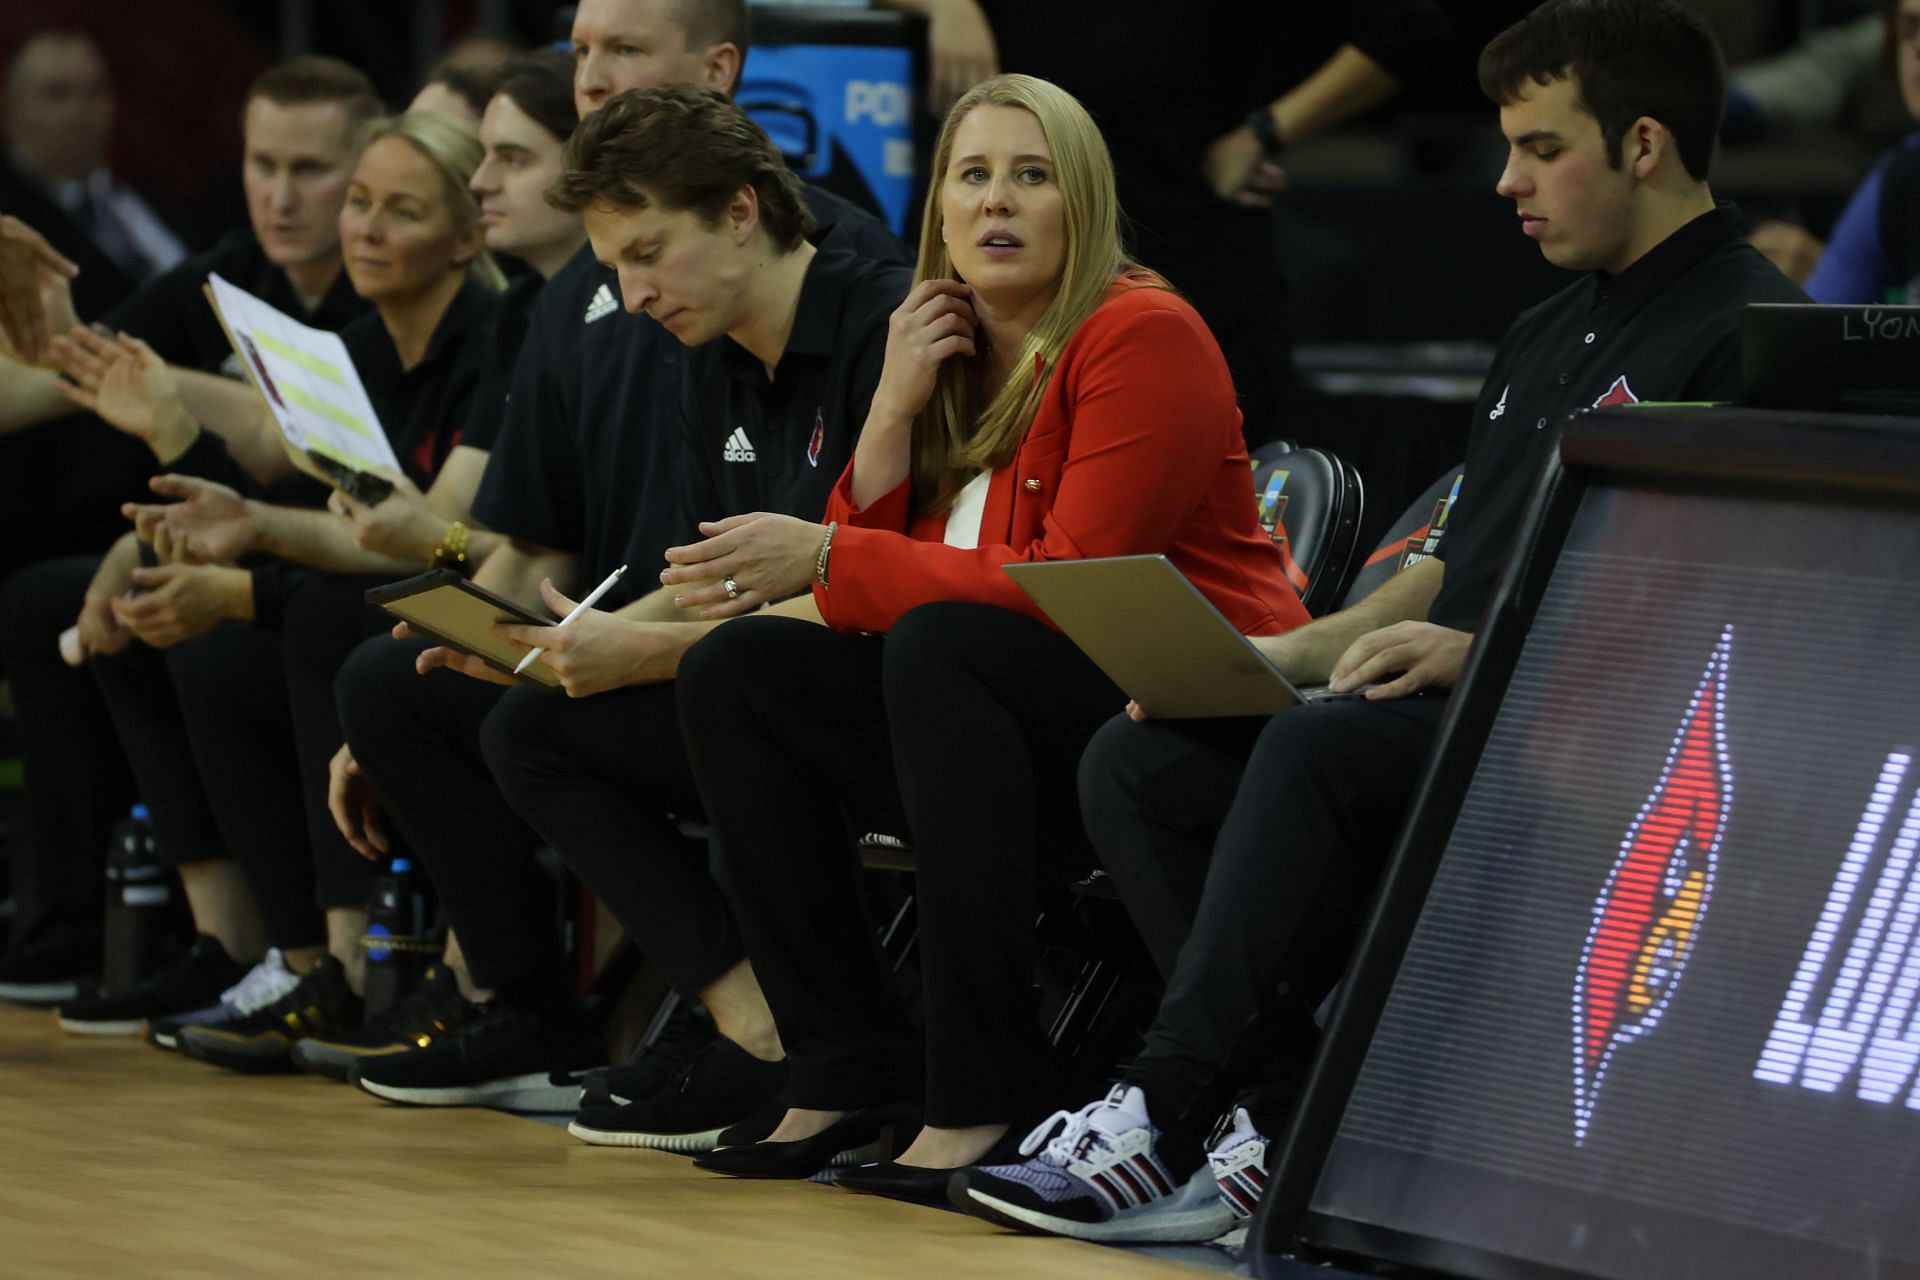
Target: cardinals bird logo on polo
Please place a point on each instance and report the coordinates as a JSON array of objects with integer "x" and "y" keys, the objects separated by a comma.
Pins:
[
  {"x": 818, "y": 438},
  {"x": 1618, "y": 393}
]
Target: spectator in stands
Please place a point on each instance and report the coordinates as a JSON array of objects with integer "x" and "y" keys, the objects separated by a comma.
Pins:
[
  {"x": 414, "y": 248},
  {"x": 1244, "y": 849},
  {"x": 584, "y": 478},
  {"x": 1044, "y": 398},
  {"x": 1874, "y": 253},
  {"x": 59, "y": 102},
  {"x": 300, "y": 120}
]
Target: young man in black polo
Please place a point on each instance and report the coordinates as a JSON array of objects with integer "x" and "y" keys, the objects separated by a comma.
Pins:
[
  {"x": 690, "y": 205},
  {"x": 583, "y": 478},
  {"x": 1220, "y": 838}
]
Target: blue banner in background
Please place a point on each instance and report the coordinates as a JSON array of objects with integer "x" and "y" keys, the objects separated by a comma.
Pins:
[{"x": 843, "y": 115}]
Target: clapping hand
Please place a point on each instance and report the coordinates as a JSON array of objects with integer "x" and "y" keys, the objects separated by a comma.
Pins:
[
  {"x": 28, "y": 268},
  {"x": 120, "y": 379},
  {"x": 210, "y": 524}
]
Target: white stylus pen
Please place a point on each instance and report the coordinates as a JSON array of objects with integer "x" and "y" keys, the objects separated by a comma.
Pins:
[{"x": 593, "y": 598}]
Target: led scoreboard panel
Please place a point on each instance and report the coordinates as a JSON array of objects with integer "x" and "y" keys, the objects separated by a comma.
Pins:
[{"x": 1659, "y": 1015}]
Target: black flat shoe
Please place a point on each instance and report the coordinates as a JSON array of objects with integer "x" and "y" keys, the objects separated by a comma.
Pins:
[
  {"x": 808, "y": 1156},
  {"x": 899, "y": 1182}
]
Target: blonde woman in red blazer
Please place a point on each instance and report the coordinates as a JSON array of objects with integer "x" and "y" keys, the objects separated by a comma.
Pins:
[{"x": 1042, "y": 399}]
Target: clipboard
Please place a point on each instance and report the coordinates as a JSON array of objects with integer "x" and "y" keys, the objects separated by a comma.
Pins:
[
  {"x": 1156, "y": 636},
  {"x": 315, "y": 455},
  {"x": 455, "y": 612}
]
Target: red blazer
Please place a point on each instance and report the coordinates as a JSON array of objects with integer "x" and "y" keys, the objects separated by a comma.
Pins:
[{"x": 1134, "y": 449}]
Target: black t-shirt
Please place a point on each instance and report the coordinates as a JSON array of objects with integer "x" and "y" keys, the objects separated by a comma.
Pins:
[
  {"x": 424, "y": 410},
  {"x": 779, "y": 444},
  {"x": 499, "y": 351},
  {"x": 1667, "y": 328},
  {"x": 172, "y": 315},
  {"x": 588, "y": 456}
]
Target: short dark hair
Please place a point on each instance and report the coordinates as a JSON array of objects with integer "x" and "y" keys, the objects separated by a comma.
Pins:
[
  {"x": 711, "y": 22},
  {"x": 1630, "y": 58},
  {"x": 473, "y": 85},
  {"x": 685, "y": 147},
  {"x": 316, "y": 78},
  {"x": 541, "y": 85}
]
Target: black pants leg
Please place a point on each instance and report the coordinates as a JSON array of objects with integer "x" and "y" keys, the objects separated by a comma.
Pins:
[
  {"x": 233, "y": 691},
  {"x": 787, "y": 734},
  {"x": 1311, "y": 824},
  {"x": 417, "y": 739},
  {"x": 326, "y": 619},
  {"x": 602, "y": 780},
  {"x": 989, "y": 713},
  {"x": 77, "y": 782},
  {"x": 140, "y": 697}
]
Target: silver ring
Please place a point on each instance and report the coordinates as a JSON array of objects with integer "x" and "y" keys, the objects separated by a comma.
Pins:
[{"x": 733, "y": 592}]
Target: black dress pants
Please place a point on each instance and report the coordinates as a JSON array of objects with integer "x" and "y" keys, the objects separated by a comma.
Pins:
[
  {"x": 326, "y": 619},
  {"x": 139, "y": 694},
  {"x": 417, "y": 740},
  {"x": 1233, "y": 845},
  {"x": 232, "y": 687},
  {"x": 77, "y": 781},
  {"x": 602, "y": 779},
  {"x": 963, "y": 726}
]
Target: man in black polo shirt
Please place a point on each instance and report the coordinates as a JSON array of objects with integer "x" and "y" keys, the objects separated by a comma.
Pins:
[
  {"x": 818, "y": 313},
  {"x": 1244, "y": 849},
  {"x": 299, "y": 124}
]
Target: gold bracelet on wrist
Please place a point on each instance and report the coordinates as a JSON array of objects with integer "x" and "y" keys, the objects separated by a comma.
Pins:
[
  {"x": 452, "y": 551},
  {"x": 820, "y": 561}
]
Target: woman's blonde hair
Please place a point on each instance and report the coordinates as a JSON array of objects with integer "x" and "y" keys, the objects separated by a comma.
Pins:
[
  {"x": 455, "y": 153},
  {"x": 955, "y": 436}
]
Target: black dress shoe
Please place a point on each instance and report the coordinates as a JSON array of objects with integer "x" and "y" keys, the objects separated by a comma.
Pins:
[
  {"x": 899, "y": 1182},
  {"x": 808, "y": 1156}
]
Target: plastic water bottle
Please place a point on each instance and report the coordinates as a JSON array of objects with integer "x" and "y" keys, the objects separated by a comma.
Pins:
[
  {"x": 139, "y": 920},
  {"x": 398, "y": 948}
]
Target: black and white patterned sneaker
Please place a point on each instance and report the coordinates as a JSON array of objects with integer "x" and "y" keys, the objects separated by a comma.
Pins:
[
  {"x": 1097, "y": 1174},
  {"x": 502, "y": 1057},
  {"x": 193, "y": 982},
  {"x": 716, "y": 1089},
  {"x": 1237, "y": 1156}
]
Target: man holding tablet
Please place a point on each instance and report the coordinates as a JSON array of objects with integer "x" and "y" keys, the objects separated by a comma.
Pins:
[{"x": 1245, "y": 849}]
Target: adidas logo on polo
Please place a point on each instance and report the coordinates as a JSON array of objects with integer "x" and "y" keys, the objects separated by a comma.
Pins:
[
  {"x": 604, "y": 304},
  {"x": 739, "y": 448}
]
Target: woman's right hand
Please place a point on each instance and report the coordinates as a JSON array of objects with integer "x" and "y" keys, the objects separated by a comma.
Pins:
[{"x": 934, "y": 324}]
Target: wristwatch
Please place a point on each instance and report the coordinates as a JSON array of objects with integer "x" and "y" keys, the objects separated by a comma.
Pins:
[{"x": 1266, "y": 131}]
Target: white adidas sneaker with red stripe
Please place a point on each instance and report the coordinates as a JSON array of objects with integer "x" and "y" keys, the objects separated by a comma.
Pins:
[{"x": 1096, "y": 1174}]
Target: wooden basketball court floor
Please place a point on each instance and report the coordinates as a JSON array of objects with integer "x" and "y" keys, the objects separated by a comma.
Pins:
[{"x": 117, "y": 1159}]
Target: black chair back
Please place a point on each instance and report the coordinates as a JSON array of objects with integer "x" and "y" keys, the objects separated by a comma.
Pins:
[{"x": 1309, "y": 503}]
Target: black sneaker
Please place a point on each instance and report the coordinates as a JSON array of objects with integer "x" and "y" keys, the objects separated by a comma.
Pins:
[
  {"x": 432, "y": 1010},
  {"x": 193, "y": 982},
  {"x": 721, "y": 1084},
  {"x": 320, "y": 1003},
  {"x": 59, "y": 964},
  {"x": 688, "y": 1030},
  {"x": 501, "y": 1058}
]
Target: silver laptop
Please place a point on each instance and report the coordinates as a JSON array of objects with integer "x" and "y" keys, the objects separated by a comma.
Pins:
[{"x": 1158, "y": 638}]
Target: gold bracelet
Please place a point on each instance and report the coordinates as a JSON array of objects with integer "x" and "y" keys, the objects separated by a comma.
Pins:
[
  {"x": 452, "y": 551},
  {"x": 820, "y": 561}
]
